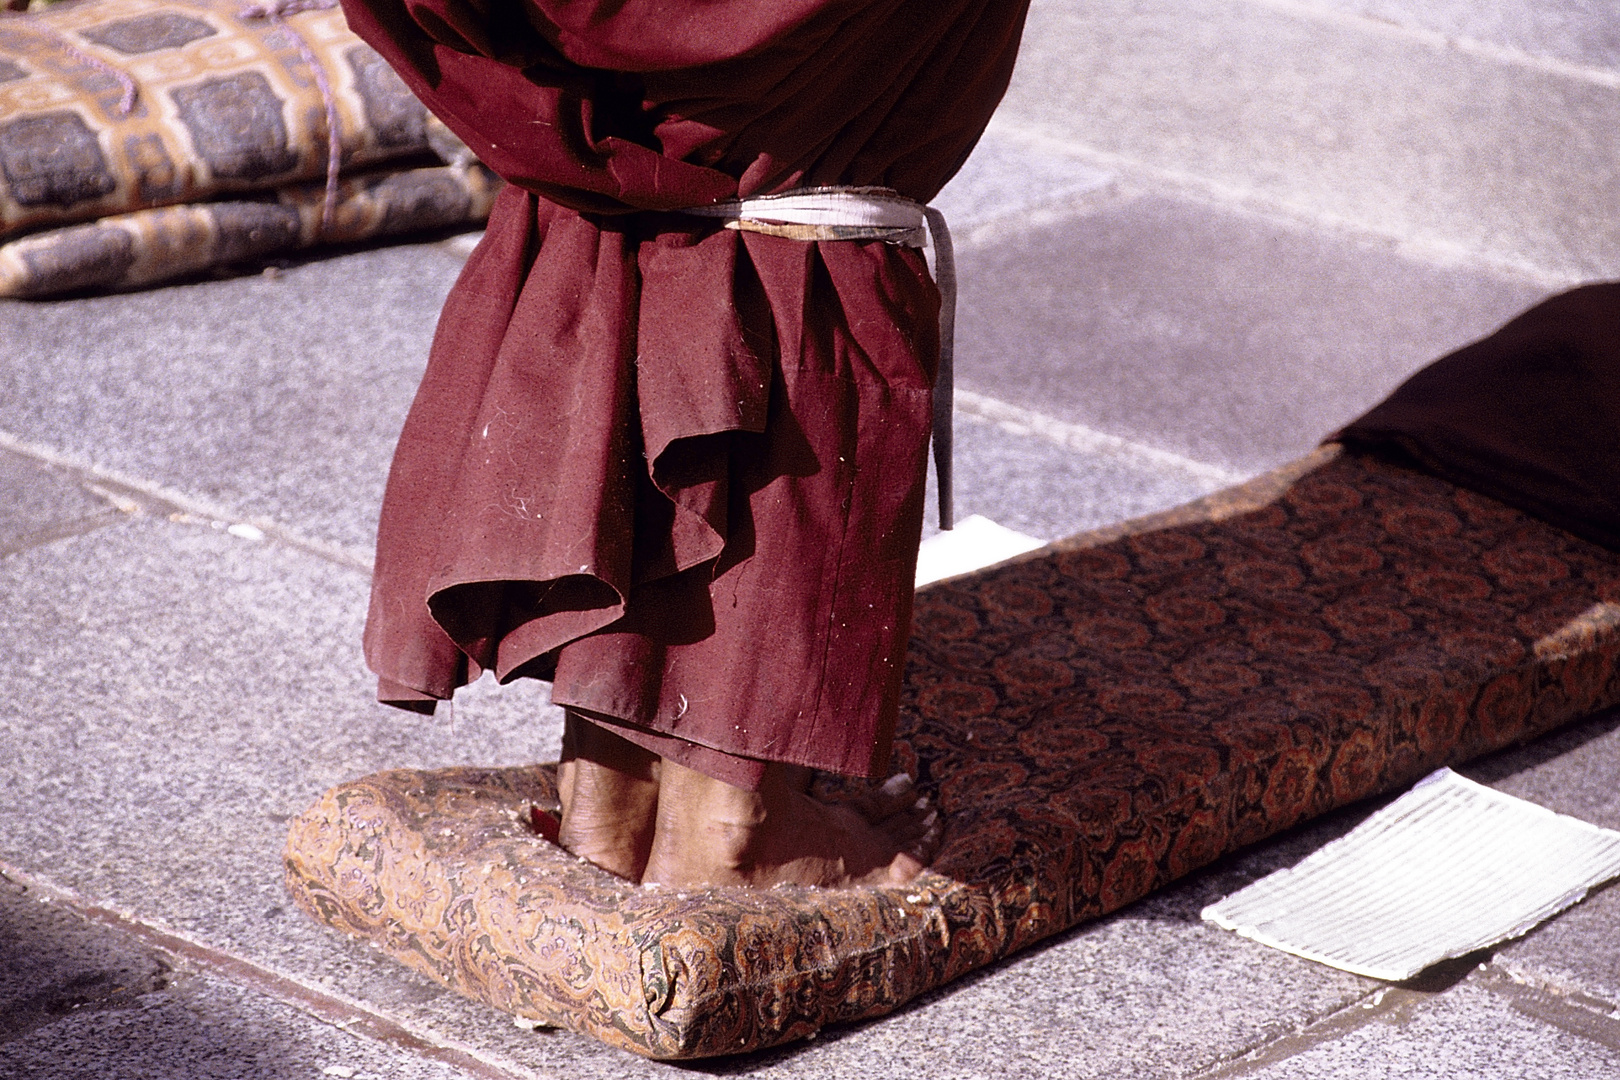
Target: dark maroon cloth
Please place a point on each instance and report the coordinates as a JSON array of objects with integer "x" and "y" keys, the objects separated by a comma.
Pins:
[
  {"x": 1529, "y": 415},
  {"x": 676, "y": 467}
]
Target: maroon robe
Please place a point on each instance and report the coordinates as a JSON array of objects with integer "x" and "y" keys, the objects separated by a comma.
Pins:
[
  {"x": 1529, "y": 415},
  {"x": 677, "y": 468}
]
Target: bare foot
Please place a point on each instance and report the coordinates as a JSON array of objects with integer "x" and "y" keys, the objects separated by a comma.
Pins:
[
  {"x": 608, "y": 788},
  {"x": 710, "y": 833}
]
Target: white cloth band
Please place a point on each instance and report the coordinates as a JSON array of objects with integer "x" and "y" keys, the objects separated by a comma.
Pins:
[
  {"x": 868, "y": 213},
  {"x": 826, "y": 213}
]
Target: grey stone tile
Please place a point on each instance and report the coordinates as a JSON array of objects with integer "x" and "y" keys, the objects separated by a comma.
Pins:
[
  {"x": 1006, "y": 177},
  {"x": 279, "y": 397},
  {"x": 1035, "y": 486},
  {"x": 177, "y": 694},
  {"x": 205, "y": 1028},
  {"x": 1468, "y": 1031},
  {"x": 1224, "y": 336},
  {"x": 1574, "y": 952},
  {"x": 36, "y": 500},
  {"x": 54, "y": 963},
  {"x": 181, "y": 690},
  {"x": 1573, "y": 772},
  {"x": 1575, "y": 31},
  {"x": 1144, "y": 994},
  {"x": 1434, "y": 146},
  {"x": 82, "y": 999}
]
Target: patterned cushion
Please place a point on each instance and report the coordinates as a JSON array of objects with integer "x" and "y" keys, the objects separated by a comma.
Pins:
[
  {"x": 1094, "y": 720},
  {"x": 224, "y": 103},
  {"x": 127, "y": 251}
]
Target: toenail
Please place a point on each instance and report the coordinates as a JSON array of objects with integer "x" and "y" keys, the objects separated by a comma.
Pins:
[{"x": 896, "y": 784}]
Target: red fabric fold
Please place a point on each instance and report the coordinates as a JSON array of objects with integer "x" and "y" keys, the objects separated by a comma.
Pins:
[
  {"x": 677, "y": 468},
  {"x": 1527, "y": 415}
]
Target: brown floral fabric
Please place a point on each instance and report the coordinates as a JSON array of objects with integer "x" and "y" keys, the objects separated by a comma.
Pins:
[{"x": 1094, "y": 720}]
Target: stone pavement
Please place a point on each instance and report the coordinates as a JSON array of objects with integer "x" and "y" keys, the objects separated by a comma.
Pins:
[{"x": 1199, "y": 236}]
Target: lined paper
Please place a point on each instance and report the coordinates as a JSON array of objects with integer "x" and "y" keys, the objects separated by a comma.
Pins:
[{"x": 1450, "y": 867}]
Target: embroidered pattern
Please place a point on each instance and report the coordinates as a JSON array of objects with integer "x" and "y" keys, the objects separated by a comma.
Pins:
[{"x": 1094, "y": 721}]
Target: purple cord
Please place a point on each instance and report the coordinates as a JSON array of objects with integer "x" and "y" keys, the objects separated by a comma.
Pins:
[
  {"x": 274, "y": 13},
  {"x": 126, "y": 104}
]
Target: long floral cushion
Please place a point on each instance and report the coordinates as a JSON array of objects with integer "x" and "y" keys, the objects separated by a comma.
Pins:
[{"x": 1094, "y": 720}]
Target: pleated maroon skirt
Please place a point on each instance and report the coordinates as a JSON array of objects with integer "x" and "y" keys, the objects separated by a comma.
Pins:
[{"x": 714, "y": 545}]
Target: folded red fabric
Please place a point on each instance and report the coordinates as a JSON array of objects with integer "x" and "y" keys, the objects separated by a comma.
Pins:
[
  {"x": 1529, "y": 415},
  {"x": 678, "y": 469}
]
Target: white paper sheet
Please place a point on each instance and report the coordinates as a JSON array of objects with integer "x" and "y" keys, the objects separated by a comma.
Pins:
[
  {"x": 1448, "y": 868},
  {"x": 975, "y": 542}
]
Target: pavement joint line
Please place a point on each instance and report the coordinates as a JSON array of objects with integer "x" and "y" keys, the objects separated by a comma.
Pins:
[
  {"x": 1578, "y": 1013},
  {"x": 1392, "y": 1002},
  {"x": 1434, "y": 39},
  {"x": 1017, "y": 420},
  {"x": 62, "y": 530},
  {"x": 1179, "y": 183},
  {"x": 329, "y": 1008},
  {"x": 133, "y": 495},
  {"x": 1056, "y": 209},
  {"x": 1334, "y": 1025},
  {"x": 130, "y": 494}
]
